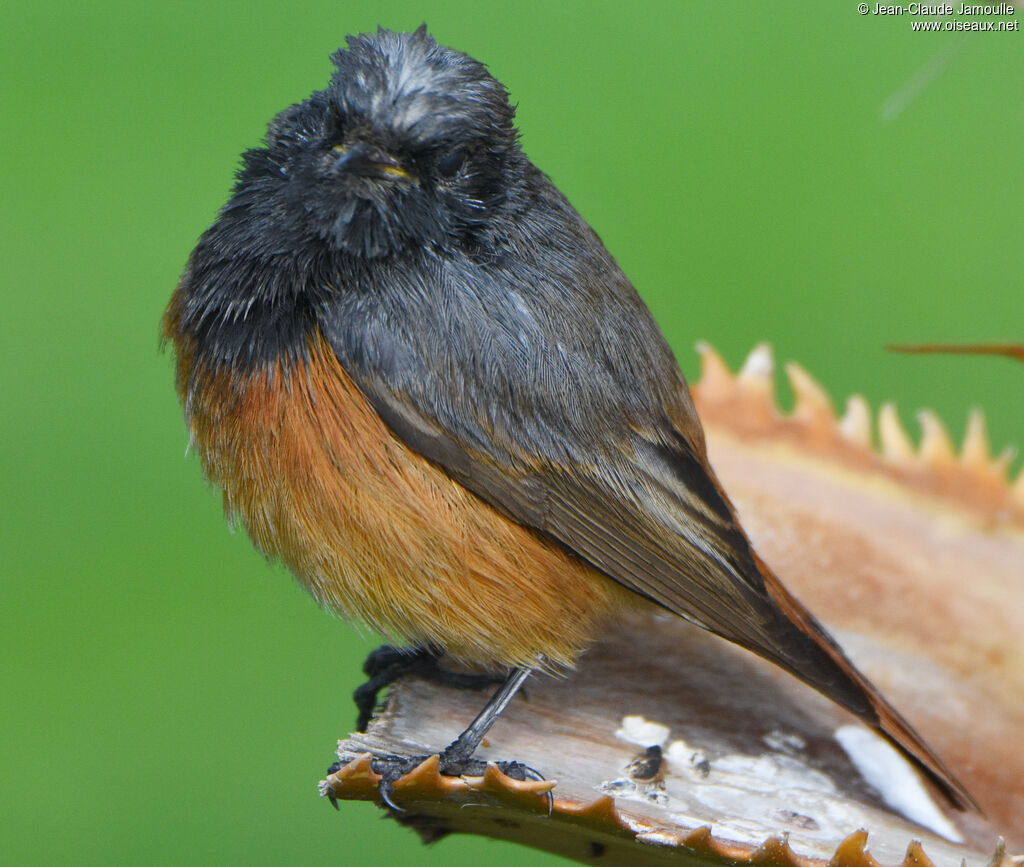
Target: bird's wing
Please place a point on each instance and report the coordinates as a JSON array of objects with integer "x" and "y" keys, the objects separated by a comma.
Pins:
[
  {"x": 645, "y": 514},
  {"x": 569, "y": 414}
]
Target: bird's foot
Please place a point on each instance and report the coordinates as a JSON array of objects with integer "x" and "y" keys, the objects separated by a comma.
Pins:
[
  {"x": 387, "y": 664},
  {"x": 392, "y": 768}
]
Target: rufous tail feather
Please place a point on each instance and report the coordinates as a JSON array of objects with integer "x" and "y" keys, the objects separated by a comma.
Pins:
[{"x": 887, "y": 720}]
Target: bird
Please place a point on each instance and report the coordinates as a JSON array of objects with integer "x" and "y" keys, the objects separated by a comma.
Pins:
[{"x": 422, "y": 382}]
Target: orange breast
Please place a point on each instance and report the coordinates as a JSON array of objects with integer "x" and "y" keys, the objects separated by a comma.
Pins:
[{"x": 377, "y": 532}]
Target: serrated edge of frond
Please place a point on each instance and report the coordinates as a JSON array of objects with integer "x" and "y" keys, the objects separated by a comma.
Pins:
[{"x": 746, "y": 403}]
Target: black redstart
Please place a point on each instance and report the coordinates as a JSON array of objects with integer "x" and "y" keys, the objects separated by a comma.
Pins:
[{"x": 423, "y": 384}]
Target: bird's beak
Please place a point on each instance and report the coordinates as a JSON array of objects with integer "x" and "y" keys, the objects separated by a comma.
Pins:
[{"x": 368, "y": 161}]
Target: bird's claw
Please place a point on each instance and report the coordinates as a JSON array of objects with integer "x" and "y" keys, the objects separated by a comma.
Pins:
[
  {"x": 519, "y": 771},
  {"x": 386, "y": 788},
  {"x": 389, "y": 769}
]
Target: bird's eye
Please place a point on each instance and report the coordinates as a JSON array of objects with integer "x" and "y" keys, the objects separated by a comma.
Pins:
[{"x": 448, "y": 166}]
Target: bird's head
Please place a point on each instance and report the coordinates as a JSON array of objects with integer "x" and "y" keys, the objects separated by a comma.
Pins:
[{"x": 411, "y": 143}]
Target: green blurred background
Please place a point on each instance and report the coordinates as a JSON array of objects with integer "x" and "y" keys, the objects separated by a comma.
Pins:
[{"x": 788, "y": 171}]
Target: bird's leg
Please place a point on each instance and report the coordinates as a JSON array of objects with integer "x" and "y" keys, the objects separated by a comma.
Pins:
[
  {"x": 460, "y": 751},
  {"x": 386, "y": 664},
  {"x": 457, "y": 758}
]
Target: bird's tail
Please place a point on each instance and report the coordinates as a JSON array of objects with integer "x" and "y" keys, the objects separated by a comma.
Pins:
[{"x": 856, "y": 693}]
